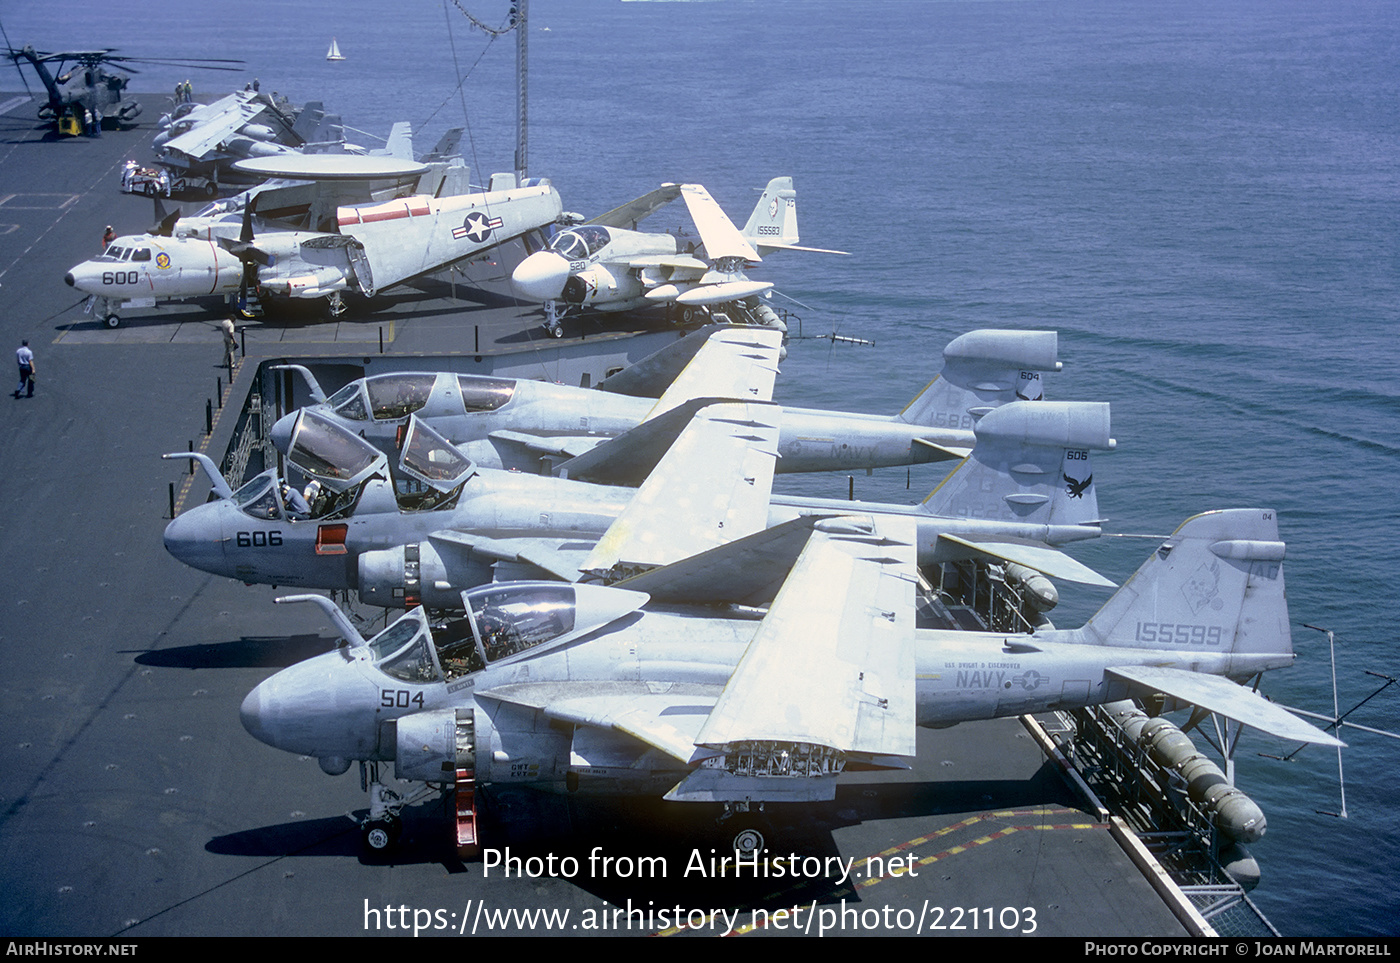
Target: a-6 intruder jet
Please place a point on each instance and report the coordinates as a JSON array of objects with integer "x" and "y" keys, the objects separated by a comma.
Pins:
[
  {"x": 374, "y": 246},
  {"x": 584, "y": 689},
  {"x": 207, "y": 140},
  {"x": 461, "y": 526},
  {"x": 606, "y": 264},
  {"x": 612, "y": 438}
]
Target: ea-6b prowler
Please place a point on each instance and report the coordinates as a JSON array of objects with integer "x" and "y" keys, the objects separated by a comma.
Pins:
[
  {"x": 1026, "y": 489},
  {"x": 614, "y": 438},
  {"x": 586, "y": 689}
]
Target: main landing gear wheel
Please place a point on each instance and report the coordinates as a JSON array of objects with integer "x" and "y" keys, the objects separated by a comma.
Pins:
[
  {"x": 381, "y": 835},
  {"x": 112, "y": 321}
]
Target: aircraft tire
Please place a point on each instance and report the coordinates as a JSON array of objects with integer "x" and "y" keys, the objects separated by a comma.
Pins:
[
  {"x": 381, "y": 835},
  {"x": 112, "y": 321},
  {"x": 748, "y": 834}
]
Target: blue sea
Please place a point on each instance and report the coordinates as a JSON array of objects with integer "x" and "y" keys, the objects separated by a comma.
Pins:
[{"x": 1202, "y": 198}]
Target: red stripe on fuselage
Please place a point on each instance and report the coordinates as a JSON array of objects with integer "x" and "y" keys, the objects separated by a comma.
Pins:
[{"x": 411, "y": 207}]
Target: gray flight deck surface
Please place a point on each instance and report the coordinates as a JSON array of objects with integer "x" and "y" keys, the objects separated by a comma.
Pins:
[{"x": 132, "y": 801}]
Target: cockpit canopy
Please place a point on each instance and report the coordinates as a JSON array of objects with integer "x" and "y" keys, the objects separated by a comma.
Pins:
[
  {"x": 501, "y": 621},
  {"x": 580, "y": 243},
  {"x": 334, "y": 456},
  {"x": 431, "y": 458},
  {"x": 258, "y": 498},
  {"x": 390, "y": 397}
]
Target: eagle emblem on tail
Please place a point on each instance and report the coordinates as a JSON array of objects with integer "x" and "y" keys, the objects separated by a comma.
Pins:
[{"x": 1076, "y": 488}]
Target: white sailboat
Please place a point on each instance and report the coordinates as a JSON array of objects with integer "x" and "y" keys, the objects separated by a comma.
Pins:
[{"x": 334, "y": 53}]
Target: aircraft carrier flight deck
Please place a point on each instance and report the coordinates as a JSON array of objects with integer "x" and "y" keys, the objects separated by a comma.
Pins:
[{"x": 135, "y": 804}]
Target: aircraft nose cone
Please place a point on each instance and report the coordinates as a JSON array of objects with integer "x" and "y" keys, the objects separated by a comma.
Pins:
[
  {"x": 322, "y": 707},
  {"x": 251, "y": 714},
  {"x": 541, "y": 276},
  {"x": 281, "y": 433},
  {"x": 193, "y": 538},
  {"x": 68, "y": 279}
]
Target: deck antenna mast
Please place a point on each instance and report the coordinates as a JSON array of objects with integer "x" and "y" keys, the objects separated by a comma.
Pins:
[
  {"x": 519, "y": 22},
  {"x": 1338, "y": 719}
]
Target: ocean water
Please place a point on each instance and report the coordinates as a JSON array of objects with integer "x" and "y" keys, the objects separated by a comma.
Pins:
[{"x": 1202, "y": 198}]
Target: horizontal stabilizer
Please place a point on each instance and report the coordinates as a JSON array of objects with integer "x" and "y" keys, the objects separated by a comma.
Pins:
[
  {"x": 1223, "y": 697},
  {"x": 767, "y": 246},
  {"x": 1047, "y": 561}
]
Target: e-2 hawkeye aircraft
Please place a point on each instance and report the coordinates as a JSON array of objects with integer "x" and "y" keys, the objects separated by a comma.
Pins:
[
  {"x": 586, "y": 689},
  {"x": 374, "y": 246},
  {"x": 606, "y": 264},
  {"x": 612, "y": 438},
  {"x": 1026, "y": 489}
]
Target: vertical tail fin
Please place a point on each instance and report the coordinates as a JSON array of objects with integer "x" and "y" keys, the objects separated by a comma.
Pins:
[
  {"x": 446, "y": 148},
  {"x": 1214, "y": 587},
  {"x": 400, "y": 142},
  {"x": 1030, "y": 465},
  {"x": 981, "y": 371},
  {"x": 774, "y": 218}
]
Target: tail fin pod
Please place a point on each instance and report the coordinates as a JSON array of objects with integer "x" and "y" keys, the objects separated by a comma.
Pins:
[
  {"x": 982, "y": 370},
  {"x": 1214, "y": 587},
  {"x": 1031, "y": 464},
  {"x": 774, "y": 217}
]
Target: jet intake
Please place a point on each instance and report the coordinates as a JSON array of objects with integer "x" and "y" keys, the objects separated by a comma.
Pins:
[
  {"x": 597, "y": 283},
  {"x": 426, "y": 746}
]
